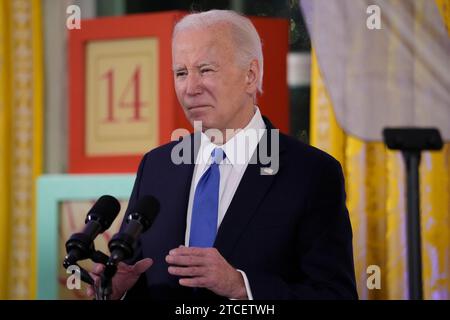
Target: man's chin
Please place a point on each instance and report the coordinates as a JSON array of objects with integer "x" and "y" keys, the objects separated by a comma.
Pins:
[{"x": 201, "y": 122}]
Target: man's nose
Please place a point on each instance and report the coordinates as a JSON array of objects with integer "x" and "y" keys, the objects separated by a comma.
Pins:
[{"x": 193, "y": 84}]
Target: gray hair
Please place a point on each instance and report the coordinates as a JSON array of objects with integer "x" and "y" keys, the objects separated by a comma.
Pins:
[{"x": 245, "y": 36}]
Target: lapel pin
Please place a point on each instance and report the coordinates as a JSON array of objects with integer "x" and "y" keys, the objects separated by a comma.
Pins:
[{"x": 267, "y": 171}]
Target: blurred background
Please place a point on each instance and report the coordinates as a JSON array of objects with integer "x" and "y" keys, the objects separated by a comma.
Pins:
[{"x": 341, "y": 78}]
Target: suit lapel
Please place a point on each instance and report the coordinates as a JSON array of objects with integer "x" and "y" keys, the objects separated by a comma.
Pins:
[
  {"x": 183, "y": 173},
  {"x": 249, "y": 194}
]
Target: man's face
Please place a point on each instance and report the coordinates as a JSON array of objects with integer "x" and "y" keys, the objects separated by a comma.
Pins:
[{"x": 210, "y": 85}]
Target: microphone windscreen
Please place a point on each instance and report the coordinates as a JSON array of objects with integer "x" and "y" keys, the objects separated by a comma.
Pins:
[{"x": 105, "y": 211}]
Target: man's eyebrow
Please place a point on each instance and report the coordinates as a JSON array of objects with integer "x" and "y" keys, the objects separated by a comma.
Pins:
[
  {"x": 203, "y": 64},
  {"x": 200, "y": 65},
  {"x": 178, "y": 68}
]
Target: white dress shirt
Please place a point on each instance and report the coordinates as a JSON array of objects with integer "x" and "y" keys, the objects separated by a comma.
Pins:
[{"x": 238, "y": 150}]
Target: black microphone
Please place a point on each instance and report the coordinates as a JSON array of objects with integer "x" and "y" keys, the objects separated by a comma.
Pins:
[
  {"x": 140, "y": 219},
  {"x": 80, "y": 246}
]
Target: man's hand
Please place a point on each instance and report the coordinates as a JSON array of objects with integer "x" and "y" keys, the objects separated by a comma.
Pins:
[
  {"x": 124, "y": 279},
  {"x": 206, "y": 268}
]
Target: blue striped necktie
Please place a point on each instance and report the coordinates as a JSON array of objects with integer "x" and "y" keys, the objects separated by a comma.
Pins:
[{"x": 206, "y": 204}]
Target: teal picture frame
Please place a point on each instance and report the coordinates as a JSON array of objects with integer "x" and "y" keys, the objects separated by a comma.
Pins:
[{"x": 53, "y": 190}]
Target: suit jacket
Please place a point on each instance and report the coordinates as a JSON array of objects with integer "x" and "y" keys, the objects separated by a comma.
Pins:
[{"x": 289, "y": 232}]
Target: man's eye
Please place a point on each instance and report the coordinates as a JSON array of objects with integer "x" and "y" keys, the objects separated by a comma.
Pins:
[
  {"x": 180, "y": 74},
  {"x": 206, "y": 70}
]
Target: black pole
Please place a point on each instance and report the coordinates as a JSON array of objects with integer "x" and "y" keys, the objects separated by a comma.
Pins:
[
  {"x": 412, "y": 161},
  {"x": 411, "y": 142}
]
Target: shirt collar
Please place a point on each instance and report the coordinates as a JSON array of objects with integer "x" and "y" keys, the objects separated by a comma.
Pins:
[{"x": 240, "y": 148}]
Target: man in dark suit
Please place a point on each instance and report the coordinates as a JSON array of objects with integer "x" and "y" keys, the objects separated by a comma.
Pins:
[{"x": 232, "y": 226}]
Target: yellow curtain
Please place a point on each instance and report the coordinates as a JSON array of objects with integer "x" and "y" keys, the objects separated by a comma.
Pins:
[
  {"x": 21, "y": 79},
  {"x": 375, "y": 183},
  {"x": 4, "y": 150}
]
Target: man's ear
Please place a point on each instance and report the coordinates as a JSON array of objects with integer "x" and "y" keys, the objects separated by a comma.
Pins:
[{"x": 252, "y": 77}]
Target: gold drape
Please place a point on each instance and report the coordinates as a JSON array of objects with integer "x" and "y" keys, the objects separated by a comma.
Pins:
[
  {"x": 21, "y": 143},
  {"x": 4, "y": 150},
  {"x": 375, "y": 183}
]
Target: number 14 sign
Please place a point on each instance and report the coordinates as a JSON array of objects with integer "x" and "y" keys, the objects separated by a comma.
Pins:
[
  {"x": 122, "y": 96},
  {"x": 122, "y": 100}
]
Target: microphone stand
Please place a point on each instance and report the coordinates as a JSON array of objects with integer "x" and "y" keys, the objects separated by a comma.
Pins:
[
  {"x": 108, "y": 274},
  {"x": 411, "y": 142},
  {"x": 106, "y": 280}
]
